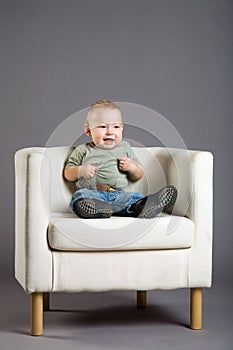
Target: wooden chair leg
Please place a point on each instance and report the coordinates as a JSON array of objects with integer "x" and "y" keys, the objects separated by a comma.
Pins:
[
  {"x": 36, "y": 316},
  {"x": 196, "y": 308},
  {"x": 141, "y": 298},
  {"x": 46, "y": 301}
]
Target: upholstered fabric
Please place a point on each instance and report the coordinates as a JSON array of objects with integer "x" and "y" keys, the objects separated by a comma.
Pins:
[
  {"x": 41, "y": 191},
  {"x": 129, "y": 270},
  {"x": 33, "y": 258},
  {"x": 68, "y": 232}
]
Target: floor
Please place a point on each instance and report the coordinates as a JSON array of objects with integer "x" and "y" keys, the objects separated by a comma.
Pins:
[{"x": 112, "y": 321}]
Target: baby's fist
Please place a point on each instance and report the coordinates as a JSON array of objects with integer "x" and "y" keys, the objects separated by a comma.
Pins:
[
  {"x": 87, "y": 171},
  {"x": 125, "y": 164}
]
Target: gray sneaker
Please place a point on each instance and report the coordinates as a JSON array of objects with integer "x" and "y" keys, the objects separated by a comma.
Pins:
[
  {"x": 153, "y": 204},
  {"x": 92, "y": 208}
]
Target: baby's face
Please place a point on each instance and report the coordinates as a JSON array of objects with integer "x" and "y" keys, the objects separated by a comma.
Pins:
[{"x": 105, "y": 127}]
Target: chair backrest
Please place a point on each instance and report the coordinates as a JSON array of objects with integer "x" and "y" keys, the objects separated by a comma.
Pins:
[{"x": 154, "y": 161}]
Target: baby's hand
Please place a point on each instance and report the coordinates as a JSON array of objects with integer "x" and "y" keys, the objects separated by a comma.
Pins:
[
  {"x": 87, "y": 171},
  {"x": 126, "y": 164}
]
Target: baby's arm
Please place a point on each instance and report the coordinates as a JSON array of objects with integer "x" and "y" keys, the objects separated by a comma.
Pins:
[
  {"x": 72, "y": 173},
  {"x": 134, "y": 170}
]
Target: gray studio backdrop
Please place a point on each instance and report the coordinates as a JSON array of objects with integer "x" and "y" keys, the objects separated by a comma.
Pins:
[{"x": 174, "y": 56}]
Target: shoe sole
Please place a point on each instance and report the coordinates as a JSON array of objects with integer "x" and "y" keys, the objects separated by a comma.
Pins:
[
  {"x": 92, "y": 209},
  {"x": 158, "y": 202}
]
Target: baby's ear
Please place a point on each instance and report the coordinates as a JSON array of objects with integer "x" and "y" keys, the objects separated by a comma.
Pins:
[{"x": 87, "y": 129}]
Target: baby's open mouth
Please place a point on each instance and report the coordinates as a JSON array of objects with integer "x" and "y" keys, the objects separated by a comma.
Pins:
[{"x": 108, "y": 139}]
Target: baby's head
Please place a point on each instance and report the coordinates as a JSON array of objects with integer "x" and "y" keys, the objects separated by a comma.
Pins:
[{"x": 104, "y": 124}]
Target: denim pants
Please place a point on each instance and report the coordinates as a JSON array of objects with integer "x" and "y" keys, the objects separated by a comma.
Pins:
[{"x": 119, "y": 200}]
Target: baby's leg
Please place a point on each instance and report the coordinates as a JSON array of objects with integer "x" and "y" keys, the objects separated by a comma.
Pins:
[{"x": 123, "y": 202}]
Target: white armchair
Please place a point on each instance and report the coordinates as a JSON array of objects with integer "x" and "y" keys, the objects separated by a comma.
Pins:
[{"x": 58, "y": 252}]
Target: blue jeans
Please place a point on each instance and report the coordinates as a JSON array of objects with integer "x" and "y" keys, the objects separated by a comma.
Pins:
[{"x": 119, "y": 200}]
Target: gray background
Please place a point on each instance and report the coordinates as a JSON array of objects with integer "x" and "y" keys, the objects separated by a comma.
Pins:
[{"x": 175, "y": 57}]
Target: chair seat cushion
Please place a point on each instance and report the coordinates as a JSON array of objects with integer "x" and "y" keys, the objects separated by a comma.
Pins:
[{"x": 67, "y": 232}]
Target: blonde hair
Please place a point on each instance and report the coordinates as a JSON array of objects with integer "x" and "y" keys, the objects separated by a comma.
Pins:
[{"x": 101, "y": 104}]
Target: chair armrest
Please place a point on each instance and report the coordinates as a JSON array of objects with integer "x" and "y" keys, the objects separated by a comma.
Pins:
[
  {"x": 33, "y": 258},
  {"x": 195, "y": 187}
]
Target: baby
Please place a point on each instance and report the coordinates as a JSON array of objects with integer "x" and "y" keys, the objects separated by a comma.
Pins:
[{"x": 103, "y": 167}]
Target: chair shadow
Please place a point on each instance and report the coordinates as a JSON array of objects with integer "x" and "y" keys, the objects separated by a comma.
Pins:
[
  {"x": 117, "y": 316},
  {"x": 120, "y": 315},
  {"x": 91, "y": 313}
]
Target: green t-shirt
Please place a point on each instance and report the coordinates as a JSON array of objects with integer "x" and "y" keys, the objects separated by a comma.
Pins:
[{"x": 106, "y": 161}]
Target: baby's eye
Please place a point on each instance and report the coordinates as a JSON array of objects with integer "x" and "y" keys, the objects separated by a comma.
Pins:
[{"x": 102, "y": 126}]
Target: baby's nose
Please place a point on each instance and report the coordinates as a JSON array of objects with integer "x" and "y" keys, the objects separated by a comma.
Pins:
[{"x": 109, "y": 129}]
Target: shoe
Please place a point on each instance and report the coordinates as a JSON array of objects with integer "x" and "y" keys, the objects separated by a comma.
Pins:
[
  {"x": 152, "y": 205},
  {"x": 92, "y": 208}
]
